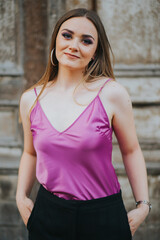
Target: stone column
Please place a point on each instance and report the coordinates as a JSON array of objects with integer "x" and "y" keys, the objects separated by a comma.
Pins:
[{"x": 23, "y": 37}]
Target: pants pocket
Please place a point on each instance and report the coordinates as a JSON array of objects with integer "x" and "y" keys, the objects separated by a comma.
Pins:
[
  {"x": 31, "y": 217},
  {"x": 129, "y": 229},
  {"x": 125, "y": 227}
]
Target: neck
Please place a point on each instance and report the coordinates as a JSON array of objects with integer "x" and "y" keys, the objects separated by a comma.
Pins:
[{"x": 67, "y": 79}]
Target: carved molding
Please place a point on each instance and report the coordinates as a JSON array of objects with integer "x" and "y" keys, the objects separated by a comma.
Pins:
[{"x": 11, "y": 37}]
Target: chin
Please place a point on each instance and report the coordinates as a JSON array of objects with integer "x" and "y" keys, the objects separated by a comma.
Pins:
[{"x": 71, "y": 66}]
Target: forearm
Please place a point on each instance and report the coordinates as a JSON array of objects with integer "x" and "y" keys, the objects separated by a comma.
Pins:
[
  {"x": 26, "y": 175},
  {"x": 137, "y": 175}
]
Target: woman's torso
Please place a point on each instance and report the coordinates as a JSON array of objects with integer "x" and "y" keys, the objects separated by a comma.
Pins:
[{"x": 74, "y": 160}]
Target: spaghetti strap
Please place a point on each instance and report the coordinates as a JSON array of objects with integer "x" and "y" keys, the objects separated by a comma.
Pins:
[
  {"x": 35, "y": 91},
  {"x": 103, "y": 85}
]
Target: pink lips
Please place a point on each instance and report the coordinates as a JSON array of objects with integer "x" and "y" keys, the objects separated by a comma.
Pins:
[{"x": 71, "y": 55}]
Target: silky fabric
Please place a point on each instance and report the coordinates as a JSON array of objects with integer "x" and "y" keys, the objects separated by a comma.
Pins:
[{"x": 77, "y": 162}]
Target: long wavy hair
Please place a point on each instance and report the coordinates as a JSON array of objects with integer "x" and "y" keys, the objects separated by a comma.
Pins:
[{"x": 100, "y": 66}]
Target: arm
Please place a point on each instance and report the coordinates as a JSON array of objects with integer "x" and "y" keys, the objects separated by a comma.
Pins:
[
  {"x": 125, "y": 132},
  {"x": 27, "y": 167}
]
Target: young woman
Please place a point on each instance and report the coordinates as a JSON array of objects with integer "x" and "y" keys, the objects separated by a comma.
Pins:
[{"x": 68, "y": 141}]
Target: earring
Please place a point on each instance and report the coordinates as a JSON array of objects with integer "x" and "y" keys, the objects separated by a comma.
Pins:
[{"x": 52, "y": 57}]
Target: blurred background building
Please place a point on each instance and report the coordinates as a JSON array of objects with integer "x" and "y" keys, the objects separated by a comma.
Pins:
[{"x": 25, "y": 32}]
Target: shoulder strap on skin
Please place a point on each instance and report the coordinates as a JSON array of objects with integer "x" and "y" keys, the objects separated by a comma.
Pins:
[
  {"x": 104, "y": 84},
  {"x": 35, "y": 91}
]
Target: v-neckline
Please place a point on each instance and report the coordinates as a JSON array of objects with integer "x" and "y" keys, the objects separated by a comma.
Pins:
[
  {"x": 52, "y": 126},
  {"x": 44, "y": 114}
]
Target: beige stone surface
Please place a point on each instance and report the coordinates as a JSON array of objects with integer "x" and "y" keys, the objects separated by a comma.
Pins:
[
  {"x": 7, "y": 31},
  {"x": 142, "y": 89},
  {"x": 7, "y": 124},
  {"x": 11, "y": 38},
  {"x": 147, "y": 122},
  {"x": 70, "y": 4},
  {"x": 133, "y": 29}
]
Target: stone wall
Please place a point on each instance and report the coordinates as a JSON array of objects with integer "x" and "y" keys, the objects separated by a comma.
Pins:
[
  {"x": 133, "y": 31},
  {"x": 23, "y": 34}
]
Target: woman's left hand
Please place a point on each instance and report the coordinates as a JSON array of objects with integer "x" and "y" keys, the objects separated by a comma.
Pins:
[{"x": 137, "y": 216}]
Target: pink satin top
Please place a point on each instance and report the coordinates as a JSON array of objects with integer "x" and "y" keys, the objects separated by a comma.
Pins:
[{"x": 77, "y": 162}]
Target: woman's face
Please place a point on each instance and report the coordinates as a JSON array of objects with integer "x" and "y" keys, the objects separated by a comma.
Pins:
[{"x": 76, "y": 43}]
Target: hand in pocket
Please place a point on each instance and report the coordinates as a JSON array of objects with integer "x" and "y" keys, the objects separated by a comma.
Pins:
[
  {"x": 136, "y": 217},
  {"x": 25, "y": 207}
]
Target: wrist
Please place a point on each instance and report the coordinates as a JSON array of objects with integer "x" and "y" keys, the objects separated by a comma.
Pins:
[
  {"x": 145, "y": 205},
  {"x": 20, "y": 198}
]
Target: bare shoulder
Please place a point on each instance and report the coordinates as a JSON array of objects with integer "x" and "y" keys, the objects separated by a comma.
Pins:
[
  {"x": 27, "y": 98},
  {"x": 117, "y": 93},
  {"x": 116, "y": 88},
  {"x": 26, "y": 101}
]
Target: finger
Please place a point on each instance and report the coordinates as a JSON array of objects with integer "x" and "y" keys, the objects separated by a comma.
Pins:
[{"x": 130, "y": 220}]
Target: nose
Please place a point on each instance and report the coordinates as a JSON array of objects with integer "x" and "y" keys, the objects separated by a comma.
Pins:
[{"x": 74, "y": 45}]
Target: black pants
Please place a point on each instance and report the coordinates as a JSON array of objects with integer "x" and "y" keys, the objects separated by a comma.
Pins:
[{"x": 54, "y": 218}]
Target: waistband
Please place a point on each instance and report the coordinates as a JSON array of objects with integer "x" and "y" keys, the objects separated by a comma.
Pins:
[{"x": 92, "y": 203}]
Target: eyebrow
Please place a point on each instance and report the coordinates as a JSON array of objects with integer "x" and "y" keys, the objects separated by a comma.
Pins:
[{"x": 83, "y": 35}]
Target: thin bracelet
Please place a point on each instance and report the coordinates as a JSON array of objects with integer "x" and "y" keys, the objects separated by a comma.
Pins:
[{"x": 144, "y": 202}]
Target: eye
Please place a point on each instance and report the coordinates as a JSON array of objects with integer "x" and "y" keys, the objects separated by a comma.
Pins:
[
  {"x": 87, "y": 41},
  {"x": 66, "y": 35}
]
